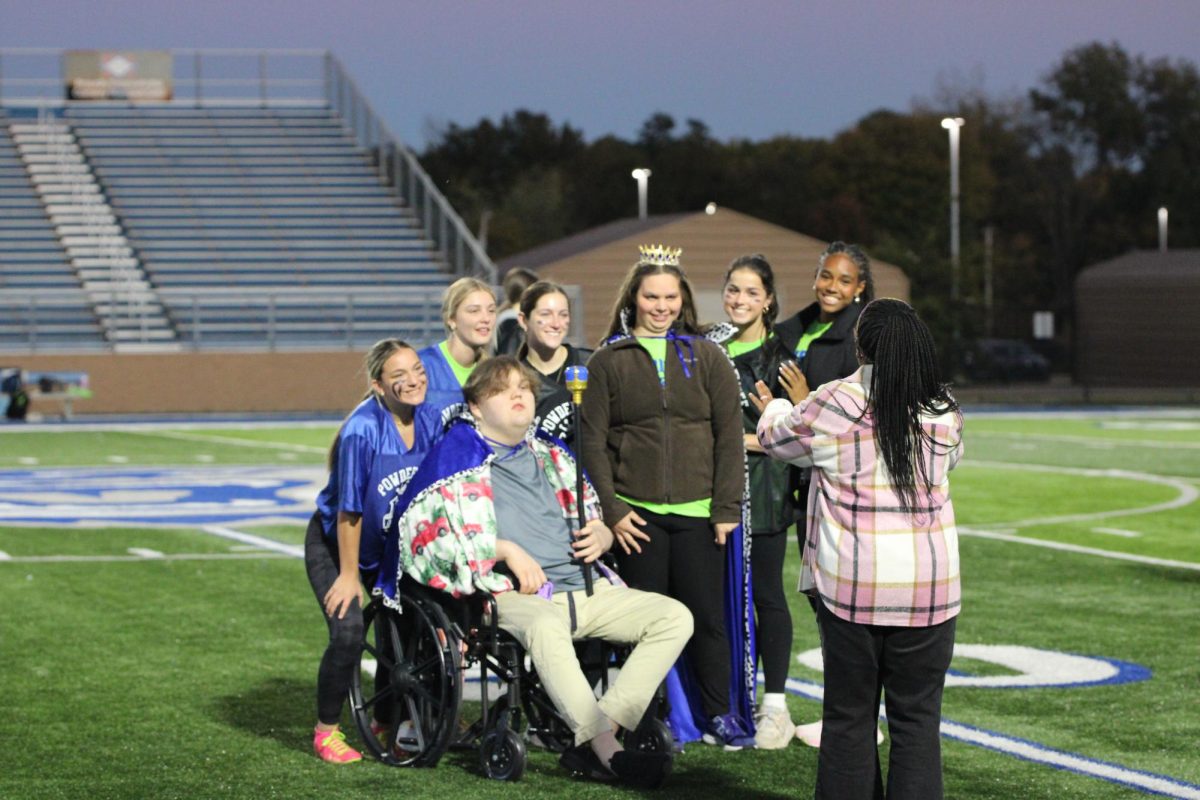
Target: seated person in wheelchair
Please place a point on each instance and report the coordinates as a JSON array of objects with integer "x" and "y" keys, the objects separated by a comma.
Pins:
[{"x": 505, "y": 478}]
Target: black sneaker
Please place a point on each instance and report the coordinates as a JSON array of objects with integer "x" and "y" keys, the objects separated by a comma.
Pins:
[
  {"x": 582, "y": 760},
  {"x": 644, "y": 770}
]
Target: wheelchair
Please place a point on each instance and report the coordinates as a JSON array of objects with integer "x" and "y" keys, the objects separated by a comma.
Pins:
[{"x": 422, "y": 655}]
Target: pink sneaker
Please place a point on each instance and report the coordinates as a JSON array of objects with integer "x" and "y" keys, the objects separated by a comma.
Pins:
[
  {"x": 331, "y": 746},
  {"x": 810, "y": 734}
]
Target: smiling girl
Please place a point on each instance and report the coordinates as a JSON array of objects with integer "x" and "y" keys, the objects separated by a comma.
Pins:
[
  {"x": 545, "y": 317},
  {"x": 376, "y": 452},
  {"x": 662, "y": 441},
  {"x": 469, "y": 314}
]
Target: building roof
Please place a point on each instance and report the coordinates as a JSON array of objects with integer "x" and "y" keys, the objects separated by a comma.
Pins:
[
  {"x": 597, "y": 261},
  {"x": 1173, "y": 264},
  {"x": 586, "y": 240}
]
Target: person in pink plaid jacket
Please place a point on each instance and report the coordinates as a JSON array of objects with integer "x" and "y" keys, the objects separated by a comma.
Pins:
[{"x": 881, "y": 552}]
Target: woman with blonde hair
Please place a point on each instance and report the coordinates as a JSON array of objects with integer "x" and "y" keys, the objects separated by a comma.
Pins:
[{"x": 469, "y": 314}]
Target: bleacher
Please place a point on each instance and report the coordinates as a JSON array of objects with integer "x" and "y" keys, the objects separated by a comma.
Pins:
[
  {"x": 258, "y": 199},
  {"x": 41, "y": 302},
  {"x": 259, "y": 203}
]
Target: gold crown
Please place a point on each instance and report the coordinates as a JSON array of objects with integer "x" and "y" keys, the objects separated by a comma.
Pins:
[{"x": 659, "y": 254}]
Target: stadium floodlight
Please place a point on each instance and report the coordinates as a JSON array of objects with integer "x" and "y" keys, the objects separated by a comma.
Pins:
[
  {"x": 642, "y": 176},
  {"x": 953, "y": 125},
  {"x": 1162, "y": 229}
]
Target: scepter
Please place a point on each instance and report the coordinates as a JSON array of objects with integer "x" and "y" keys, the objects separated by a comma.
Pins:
[{"x": 576, "y": 379}]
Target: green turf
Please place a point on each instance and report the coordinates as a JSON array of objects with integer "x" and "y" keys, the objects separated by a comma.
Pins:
[{"x": 195, "y": 678}]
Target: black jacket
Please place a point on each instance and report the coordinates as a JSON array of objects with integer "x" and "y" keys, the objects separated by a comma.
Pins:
[
  {"x": 772, "y": 507},
  {"x": 554, "y": 413},
  {"x": 831, "y": 355}
]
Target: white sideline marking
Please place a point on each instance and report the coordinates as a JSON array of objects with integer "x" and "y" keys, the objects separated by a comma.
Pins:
[
  {"x": 1118, "y": 532},
  {"x": 293, "y": 550},
  {"x": 1187, "y": 492},
  {"x": 138, "y": 559},
  {"x": 117, "y": 459},
  {"x": 144, "y": 552},
  {"x": 1039, "y": 754},
  {"x": 244, "y": 548},
  {"x": 28, "y": 461},
  {"x": 199, "y": 437},
  {"x": 1075, "y": 548},
  {"x": 204, "y": 458},
  {"x": 1088, "y": 440},
  {"x": 5, "y": 556}
]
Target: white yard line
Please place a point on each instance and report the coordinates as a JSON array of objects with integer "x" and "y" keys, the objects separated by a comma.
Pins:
[
  {"x": 1118, "y": 532},
  {"x": 138, "y": 559},
  {"x": 1076, "y": 548},
  {"x": 1040, "y": 754},
  {"x": 296, "y": 551},
  {"x": 1187, "y": 493},
  {"x": 1091, "y": 441},
  {"x": 144, "y": 552},
  {"x": 5, "y": 556},
  {"x": 231, "y": 440},
  {"x": 132, "y": 425}
]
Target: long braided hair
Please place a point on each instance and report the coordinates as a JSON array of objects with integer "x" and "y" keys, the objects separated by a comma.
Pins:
[{"x": 906, "y": 382}]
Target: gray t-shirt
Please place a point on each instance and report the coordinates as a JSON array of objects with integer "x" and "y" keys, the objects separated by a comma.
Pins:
[{"x": 529, "y": 515}]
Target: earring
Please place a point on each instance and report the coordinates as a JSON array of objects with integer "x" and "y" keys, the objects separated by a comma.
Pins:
[{"x": 857, "y": 299}]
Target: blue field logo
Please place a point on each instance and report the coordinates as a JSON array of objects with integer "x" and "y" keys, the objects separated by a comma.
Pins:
[{"x": 171, "y": 496}]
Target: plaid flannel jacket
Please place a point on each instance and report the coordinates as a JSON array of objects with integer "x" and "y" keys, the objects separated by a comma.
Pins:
[{"x": 870, "y": 561}]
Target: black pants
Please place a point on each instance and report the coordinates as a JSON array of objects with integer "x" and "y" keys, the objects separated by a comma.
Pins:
[
  {"x": 909, "y": 665},
  {"x": 773, "y": 620},
  {"x": 683, "y": 561},
  {"x": 345, "y": 634}
]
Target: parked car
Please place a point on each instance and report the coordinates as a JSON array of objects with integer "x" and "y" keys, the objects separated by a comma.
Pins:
[{"x": 1005, "y": 360}]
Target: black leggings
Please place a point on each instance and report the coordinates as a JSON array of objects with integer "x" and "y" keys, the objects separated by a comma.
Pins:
[
  {"x": 345, "y": 634},
  {"x": 773, "y": 628},
  {"x": 682, "y": 560}
]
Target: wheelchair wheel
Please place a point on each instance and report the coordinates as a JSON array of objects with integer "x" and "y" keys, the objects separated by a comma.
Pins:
[
  {"x": 502, "y": 755},
  {"x": 652, "y": 736},
  {"x": 416, "y": 688}
]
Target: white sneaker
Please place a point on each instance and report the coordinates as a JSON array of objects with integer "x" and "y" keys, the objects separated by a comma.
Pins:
[
  {"x": 774, "y": 728},
  {"x": 810, "y": 734}
]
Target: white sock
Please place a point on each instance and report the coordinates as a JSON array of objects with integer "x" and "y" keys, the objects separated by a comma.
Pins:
[{"x": 773, "y": 700}]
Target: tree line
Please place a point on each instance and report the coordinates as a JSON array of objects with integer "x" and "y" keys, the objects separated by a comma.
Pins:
[{"x": 1069, "y": 174}]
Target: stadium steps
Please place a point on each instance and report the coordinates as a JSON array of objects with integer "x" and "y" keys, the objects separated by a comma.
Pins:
[
  {"x": 257, "y": 199},
  {"x": 41, "y": 303},
  {"x": 117, "y": 288}
]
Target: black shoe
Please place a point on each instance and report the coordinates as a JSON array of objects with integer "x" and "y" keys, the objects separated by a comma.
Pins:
[
  {"x": 582, "y": 760},
  {"x": 644, "y": 770}
]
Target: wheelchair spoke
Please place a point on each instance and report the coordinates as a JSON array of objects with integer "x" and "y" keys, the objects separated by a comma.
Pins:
[{"x": 415, "y": 715}]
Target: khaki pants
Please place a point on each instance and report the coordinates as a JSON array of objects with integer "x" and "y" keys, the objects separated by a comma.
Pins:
[{"x": 657, "y": 625}]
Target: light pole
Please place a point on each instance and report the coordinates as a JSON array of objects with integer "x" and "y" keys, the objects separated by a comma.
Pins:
[
  {"x": 642, "y": 175},
  {"x": 1162, "y": 229},
  {"x": 953, "y": 125}
]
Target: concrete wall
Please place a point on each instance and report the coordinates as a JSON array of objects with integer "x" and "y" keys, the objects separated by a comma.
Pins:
[{"x": 324, "y": 381}]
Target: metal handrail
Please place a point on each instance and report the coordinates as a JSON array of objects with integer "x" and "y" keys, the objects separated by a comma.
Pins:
[{"x": 395, "y": 163}]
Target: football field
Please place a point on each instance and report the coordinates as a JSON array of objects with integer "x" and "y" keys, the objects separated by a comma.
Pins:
[{"x": 159, "y": 637}]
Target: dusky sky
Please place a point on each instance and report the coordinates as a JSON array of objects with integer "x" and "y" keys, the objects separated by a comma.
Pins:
[{"x": 747, "y": 69}]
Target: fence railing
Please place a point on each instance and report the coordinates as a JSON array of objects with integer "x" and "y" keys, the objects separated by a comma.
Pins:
[
  {"x": 60, "y": 320},
  {"x": 33, "y": 77}
]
